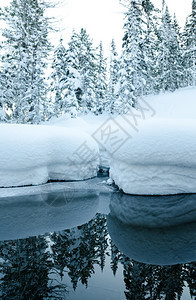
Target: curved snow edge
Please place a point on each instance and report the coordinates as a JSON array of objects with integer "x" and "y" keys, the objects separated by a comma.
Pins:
[
  {"x": 34, "y": 154},
  {"x": 152, "y": 179}
]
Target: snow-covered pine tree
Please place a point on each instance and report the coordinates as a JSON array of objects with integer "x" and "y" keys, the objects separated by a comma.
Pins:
[
  {"x": 65, "y": 79},
  {"x": 73, "y": 64},
  {"x": 162, "y": 63},
  {"x": 178, "y": 54},
  {"x": 169, "y": 54},
  {"x": 87, "y": 70},
  {"x": 190, "y": 47},
  {"x": 101, "y": 82},
  {"x": 26, "y": 49},
  {"x": 123, "y": 90},
  {"x": 4, "y": 104},
  {"x": 133, "y": 58},
  {"x": 130, "y": 76},
  {"x": 149, "y": 46},
  {"x": 73, "y": 79},
  {"x": 58, "y": 77},
  {"x": 113, "y": 77}
]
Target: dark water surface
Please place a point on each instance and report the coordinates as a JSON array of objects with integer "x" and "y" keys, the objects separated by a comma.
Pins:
[{"x": 88, "y": 241}]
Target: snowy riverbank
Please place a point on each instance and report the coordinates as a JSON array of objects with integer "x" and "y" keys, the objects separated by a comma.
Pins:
[
  {"x": 151, "y": 150},
  {"x": 34, "y": 154}
]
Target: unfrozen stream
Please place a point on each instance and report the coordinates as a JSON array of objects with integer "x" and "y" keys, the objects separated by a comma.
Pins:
[{"x": 86, "y": 240}]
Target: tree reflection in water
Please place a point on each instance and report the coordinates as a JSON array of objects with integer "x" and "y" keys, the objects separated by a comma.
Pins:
[
  {"x": 32, "y": 268},
  {"x": 78, "y": 250},
  {"x": 26, "y": 266}
]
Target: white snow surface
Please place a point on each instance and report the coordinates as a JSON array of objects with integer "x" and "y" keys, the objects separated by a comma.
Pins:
[
  {"x": 92, "y": 125},
  {"x": 159, "y": 157},
  {"x": 180, "y": 104},
  {"x": 33, "y": 154}
]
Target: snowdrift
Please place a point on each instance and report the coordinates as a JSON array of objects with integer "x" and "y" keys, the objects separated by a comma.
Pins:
[
  {"x": 92, "y": 125},
  {"x": 160, "y": 158},
  {"x": 180, "y": 104},
  {"x": 33, "y": 154}
]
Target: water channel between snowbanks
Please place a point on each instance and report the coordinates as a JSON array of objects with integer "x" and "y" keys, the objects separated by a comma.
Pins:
[{"x": 87, "y": 233}]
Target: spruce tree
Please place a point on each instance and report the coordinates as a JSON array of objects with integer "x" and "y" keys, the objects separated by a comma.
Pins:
[
  {"x": 113, "y": 77},
  {"x": 4, "y": 104},
  {"x": 190, "y": 47},
  {"x": 123, "y": 91},
  {"x": 149, "y": 47},
  {"x": 169, "y": 54},
  {"x": 66, "y": 78},
  {"x": 26, "y": 49},
  {"x": 73, "y": 54},
  {"x": 58, "y": 77},
  {"x": 87, "y": 70},
  {"x": 132, "y": 49},
  {"x": 101, "y": 82},
  {"x": 178, "y": 54}
]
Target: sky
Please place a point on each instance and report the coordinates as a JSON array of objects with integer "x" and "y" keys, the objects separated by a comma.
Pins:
[{"x": 103, "y": 19}]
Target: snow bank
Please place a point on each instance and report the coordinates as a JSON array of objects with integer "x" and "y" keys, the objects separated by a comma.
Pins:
[
  {"x": 92, "y": 125},
  {"x": 157, "y": 246},
  {"x": 31, "y": 154},
  {"x": 180, "y": 104},
  {"x": 160, "y": 158}
]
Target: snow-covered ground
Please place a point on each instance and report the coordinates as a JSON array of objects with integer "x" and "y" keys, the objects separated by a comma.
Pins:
[
  {"x": 32, "y": 155},
  {"x": 159, "y": 159},
  {"x": 159, "y": 156},
  {"x": 92, "y": 125},
  {"x": 180, "y": 104}
]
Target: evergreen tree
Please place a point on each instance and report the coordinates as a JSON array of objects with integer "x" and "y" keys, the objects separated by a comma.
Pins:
[
  {"x": 73, "y": 54},
  {"x": 132, "y": 50},
  {"x": 58, "y": 77},
  {"x": 65, "y": 79},
  {"x": 149, "y": 47},
  {"x": 26, "y": 49},
  {"x": 75, "y": 79},
  {"x": 135, "y": 278},
  {"x": 124, "y": 91},
  {"x": 87, "y": 70},
  {"x": 4, "y": 105},
  {"x": 170, "y": 282},
  {"x": 178, "y": 54},
  {"x": 101, "y": 82},
  {"x": 169, "y": 75},
  {"x": 26, "y": 268},
  {"x": 113, "y": 77},
  {"x": 190, "y": 276},
  {"x": 115, "y": 258},
  {"x": 79, "y": 249},
  {"x": 190, "y": 47}
]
